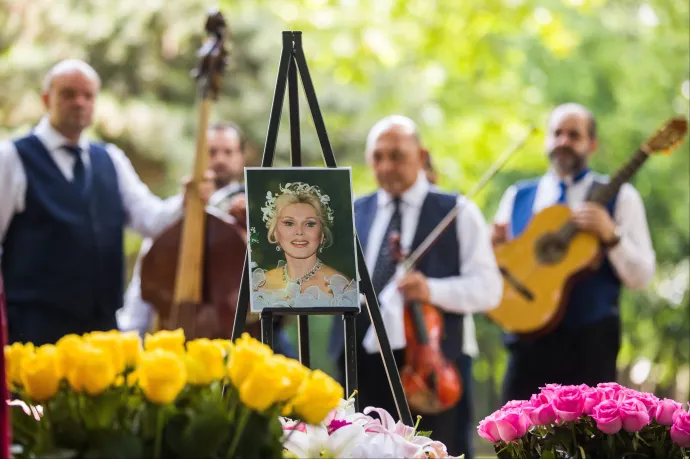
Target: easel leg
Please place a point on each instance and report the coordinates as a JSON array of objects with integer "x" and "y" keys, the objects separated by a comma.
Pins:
[
  {"x": 242, "y": 302},
  {"x": 303, "y": 337},
  {"x": 351, "y": 382},
  {"x": 267, "y": 328},
  {"x": 382, "y": 337}
]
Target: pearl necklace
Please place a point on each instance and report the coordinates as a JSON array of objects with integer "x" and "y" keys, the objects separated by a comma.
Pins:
[{"x": 304, "y": 278}]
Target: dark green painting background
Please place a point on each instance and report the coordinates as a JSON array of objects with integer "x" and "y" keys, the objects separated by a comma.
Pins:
[{"x": 335, "y": 183}]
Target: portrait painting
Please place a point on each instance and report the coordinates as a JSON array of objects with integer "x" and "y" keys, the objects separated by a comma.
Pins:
[{"x": 302, "y": 246}]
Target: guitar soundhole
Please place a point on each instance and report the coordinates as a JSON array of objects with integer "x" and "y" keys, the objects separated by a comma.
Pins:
[{"x": 551, "y": 248}]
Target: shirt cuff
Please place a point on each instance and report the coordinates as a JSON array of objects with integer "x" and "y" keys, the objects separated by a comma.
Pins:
[{"x": 437, "y": 292}]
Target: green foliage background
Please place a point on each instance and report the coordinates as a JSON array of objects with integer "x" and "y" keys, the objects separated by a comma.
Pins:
[{"x": 474, "y": 74}]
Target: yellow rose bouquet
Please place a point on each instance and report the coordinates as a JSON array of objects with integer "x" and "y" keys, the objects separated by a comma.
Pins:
[{"x": 110, "y": 395}]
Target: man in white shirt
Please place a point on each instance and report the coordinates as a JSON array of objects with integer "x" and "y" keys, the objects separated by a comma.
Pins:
[
  {"x": 459, "y": 275},
  {"x": 65, "y": 203},
  {"x": 584, "y": 347}
]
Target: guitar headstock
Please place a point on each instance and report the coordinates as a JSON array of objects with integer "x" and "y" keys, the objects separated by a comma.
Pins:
[
  {"x": 668, "y": 137},
  {"x": 212, "y": 56}
]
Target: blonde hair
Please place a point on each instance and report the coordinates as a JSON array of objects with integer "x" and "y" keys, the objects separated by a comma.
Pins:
[{"x": 287, "y": 199}]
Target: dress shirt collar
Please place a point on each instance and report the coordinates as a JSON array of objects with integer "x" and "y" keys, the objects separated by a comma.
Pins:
[
  {"x": 52, "y": 139},
  {"x": 228, "y": 189},
  {"x": 413, "y": 196},
  {"x": 553, "y": 177}
]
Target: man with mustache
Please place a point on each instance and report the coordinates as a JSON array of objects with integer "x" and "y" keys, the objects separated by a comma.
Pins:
[
  {"x": 65, "y": 203},
  {"x": 584, "y": 347}
]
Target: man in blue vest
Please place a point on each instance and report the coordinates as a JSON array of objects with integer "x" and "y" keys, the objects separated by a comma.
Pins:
[
  {"x": 584, "y": 347},
  {"x": 459, "y": 274},
  {"x": 65, "y": 203}
]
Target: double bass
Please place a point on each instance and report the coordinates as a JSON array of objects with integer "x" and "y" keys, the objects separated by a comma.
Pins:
[
  {"x": 431, "y": 382},
  {"x": 191, "y": 274}
]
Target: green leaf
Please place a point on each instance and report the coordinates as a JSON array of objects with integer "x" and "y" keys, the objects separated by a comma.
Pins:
[
  {"x": 424, "y": 433},
  {"x": 116, "y": 445},
  {"x": 204, "y": 434}
]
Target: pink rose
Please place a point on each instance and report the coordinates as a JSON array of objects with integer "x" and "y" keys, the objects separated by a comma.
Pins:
[
  {"x": 540, "y": 410},
  {"x": 569, "y": 403},
  {"x": 665, "y": 411},
  {"x": 513, "y": 404},
  {"x": 511, "y": 424},
  {"x": 607, "y": 417},
  {"x": 550, "y": 390},
  {"x": 680, "y": 431},
  {"x": 610, "y": 390},
  {"x": 634, "y": 414},
  {"x": 592, "y": 398},
  {"x": 650, "y": 401},
  {"x": 487, "y": 429}
]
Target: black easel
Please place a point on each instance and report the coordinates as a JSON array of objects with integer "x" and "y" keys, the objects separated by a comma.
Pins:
[{"x": 292, "y": 60}]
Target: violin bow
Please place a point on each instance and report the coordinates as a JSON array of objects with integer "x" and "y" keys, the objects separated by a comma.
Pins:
[{"x": 411, "y": 261}]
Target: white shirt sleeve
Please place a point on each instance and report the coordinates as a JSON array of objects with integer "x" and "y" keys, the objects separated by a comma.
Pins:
[
  {"x": 505, "y": 206},
  {"x": 147, "y": 214},
  {"x": 136, "y": 314},
  {"x": 633, "y": 258},
  {"x": 479, "y": 288},
  {"x": 12, "y": 186}
]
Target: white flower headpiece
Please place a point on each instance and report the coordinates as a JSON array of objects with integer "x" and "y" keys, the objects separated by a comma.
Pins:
[{"x": 297, "y": 188}]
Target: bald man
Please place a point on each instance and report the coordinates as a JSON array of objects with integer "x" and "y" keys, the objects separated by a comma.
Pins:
[
  {"x": 459, "y": 275},
  {"x": 584, "y": 347},
  {"x": 65, "y": 203}
]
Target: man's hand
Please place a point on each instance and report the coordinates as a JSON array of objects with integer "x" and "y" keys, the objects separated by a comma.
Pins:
[
  {"x": 499, "y": 234},
  {"x": 238, "y": 208},
  {"x": 593, "y": 217},
  {"x": 414, "y": 287},
  {"x": 204, "y": 190}
]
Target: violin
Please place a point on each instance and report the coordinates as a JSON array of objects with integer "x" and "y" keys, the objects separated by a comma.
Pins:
[
  {"x": 191, "y": 275},
  {"x": 432, "y": 383}
]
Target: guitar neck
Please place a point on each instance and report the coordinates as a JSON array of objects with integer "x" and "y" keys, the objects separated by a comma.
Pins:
[
  {"x": 189, "y": 277},
  {"x": 604, "y": 194}
]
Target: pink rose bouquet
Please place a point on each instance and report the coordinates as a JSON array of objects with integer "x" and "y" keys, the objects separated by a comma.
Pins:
[{"x": 608, "y": 421}]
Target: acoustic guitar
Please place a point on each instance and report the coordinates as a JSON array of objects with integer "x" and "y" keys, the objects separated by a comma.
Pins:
[{"x": 541, "y": 265}]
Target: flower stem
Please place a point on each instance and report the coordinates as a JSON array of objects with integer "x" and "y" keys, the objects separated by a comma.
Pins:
[
  {"x": 241, "y": 423},
  {"x": 159, "y": 433}
]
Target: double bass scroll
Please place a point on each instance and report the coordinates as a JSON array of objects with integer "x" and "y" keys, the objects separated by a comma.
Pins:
[{"x": 191, "y": 274}]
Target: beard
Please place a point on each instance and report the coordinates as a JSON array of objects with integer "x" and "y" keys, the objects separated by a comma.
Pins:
[{"x": 567, "y": 161}]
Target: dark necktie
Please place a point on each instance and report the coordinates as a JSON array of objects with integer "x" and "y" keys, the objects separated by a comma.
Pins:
[
  {"x": 386, "y": 263},
  {"x": 564, "y": 187},
  {"x": 383, "y": 270},
  {"x": 79, "y": 171}
]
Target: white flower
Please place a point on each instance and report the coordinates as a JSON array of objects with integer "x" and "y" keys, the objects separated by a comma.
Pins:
[{"x": 316, "y": 442}]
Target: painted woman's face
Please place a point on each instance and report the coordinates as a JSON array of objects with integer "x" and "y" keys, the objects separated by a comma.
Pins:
[{"x": 299, "y": 231}]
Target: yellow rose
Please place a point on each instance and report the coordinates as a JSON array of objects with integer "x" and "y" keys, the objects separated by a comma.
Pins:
[
  {"x": 317, "y": 396},
  {"x": 172, "y": 341},
  {"x": 40, "y": 375},
  {"x": 204, "y": 362},
  {"x": 69, "y": 351},
  {"x": 162, "y": 376},
  {"x": 264, "y": 385},
  {"x": 294, "y": 371},
  {"x": 94, "y": 372},
  {"x": 245, "y": 353},
  {"x": 224, "y": 344},
  {"x": 111, "y": 343},
  {"x": 131, "y": 348},
  {"x": 15, "y": 355}
]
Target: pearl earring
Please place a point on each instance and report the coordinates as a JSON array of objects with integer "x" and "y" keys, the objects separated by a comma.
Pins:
[
  {"x": 278, "y": 248},
  {"x": 321, "y": 249}
]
